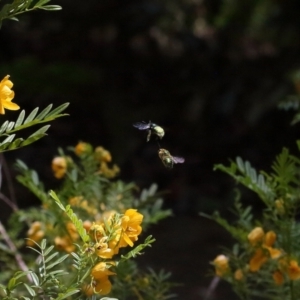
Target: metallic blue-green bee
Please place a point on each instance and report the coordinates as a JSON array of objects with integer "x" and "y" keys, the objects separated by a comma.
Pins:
[{"x": 152, "y": 128}]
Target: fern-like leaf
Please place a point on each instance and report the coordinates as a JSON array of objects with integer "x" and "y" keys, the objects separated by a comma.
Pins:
[{"x": 77, "y": 222}]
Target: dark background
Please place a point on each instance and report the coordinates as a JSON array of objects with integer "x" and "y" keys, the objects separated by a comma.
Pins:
[{"x": 211, "y": 72}]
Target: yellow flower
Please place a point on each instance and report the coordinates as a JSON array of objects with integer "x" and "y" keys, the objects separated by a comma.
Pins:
[
  {"x": 221, "y": 265},
  {"x": 130, "y": 227},
  {"x": 293, "y": 270},
  {"x": 72, "y": 231},
  {"x": 270, "y": 238},
  {"x": 102, "y": 154},
  {"x": 88, "y": 290},
  {"x": 257, "y": 260},
  {"x": 238, "y": 275},
  {"x": 6, "y": 96},
  {"x": 102, "y": 249},
  {"x": 256, "y": 235},
  {"x": 83, "y": 148},
  {"x": 274, "y": 253},
  {"x": 64, "y": 243},
  {"x": 100, "y": 274},
  {"x": 59, "y": 167},
  {"x": 35, "y": 233},
  {"x": 279, "y": 205},
  {"x": 87, "y": 225},
  {"x": 109, "y": 172},
  {"x": 103, "y": 286},
  {"x": 278, "y": 277}
]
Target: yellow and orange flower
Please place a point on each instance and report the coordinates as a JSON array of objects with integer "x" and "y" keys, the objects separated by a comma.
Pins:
[
  {"x": 131, "y": 227},
  {"x": 100, "y": 274},
  {"x": 264, "y": 250},
  {"x": 83, "y": 148},
  {"x": 64, "y": 243},
  {"x": 221, "y": 265},
  {"x": 109, "y": 172},
  {"x": 102, "y": 249},
  {"x": 293, "y": 270},
  {"x": 257, "y": 260},
  {"x": 35, "y": 233},
  {"x": 102, "y": 155},
  {"x": 59, "y": 167},
  {"x": 256, "y": 236},
  {"x": 278, "y": 277},
  {"x": 6, "y": 96},
  {"x": 238, "y": 275}
]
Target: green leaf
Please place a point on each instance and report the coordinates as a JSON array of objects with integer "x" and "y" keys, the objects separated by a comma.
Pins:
[
  {"x": 10, "y": 126},
  {"x": 11, "y": 284},
  {"x": 58, "y": 273},
  {"x": 8, "y": 139},
  {"x": 21, "y": 164},
  {"x": 59, "y": 109},
  {"x": 51, "y": 257},
  {"x": 51, "y": 7},
  {"x": 42, "y": 2},
  {"x": 48, "y": 250},
  {"x": 43, "y": 244},
  {"x": 44, "y": 112},
  {"x": 20, "y": 118},
  {"x": 32, "y": 139},
  {"x": 35, "y": 278},
  {"x": 61, "y": 259},
  {"x": 67, "y": 294},
  {"x": 15, "y": 144},
  {"x": 30, "y": 290},
  {"x": 31, "y": 115},
  {"x": 40, "y": 131},
  {"x": 4, "y": 126},
  {"x": 54, "y": 196}
]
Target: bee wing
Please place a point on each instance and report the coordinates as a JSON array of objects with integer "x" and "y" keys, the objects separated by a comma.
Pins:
[
  {"x": 178, "y": 160},
  {"x": 141, "y": 126}
]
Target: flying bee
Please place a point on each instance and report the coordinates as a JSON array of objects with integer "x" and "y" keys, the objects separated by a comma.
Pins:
[
  {"x": 168, "y": 160},
  {"x": 152, "y": 128}
]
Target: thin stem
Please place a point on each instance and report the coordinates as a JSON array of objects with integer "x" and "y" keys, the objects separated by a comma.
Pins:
[
  {"x": 7, "y": 201},
  {"x": 7, "y": 175},
  {"x": 13, "y": 248},
  {"x": 292, "y": 290}
]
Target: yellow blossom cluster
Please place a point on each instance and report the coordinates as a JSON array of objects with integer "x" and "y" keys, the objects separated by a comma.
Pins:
[
  {"x": 101, "y": 156},
  {"x": 104, "y": 157},
  {"x": 66, "y": 242},
  {"x": 262, "y": 248},
  {"x": 111, "y": 235},
  {"x": 82, "y": 203}
]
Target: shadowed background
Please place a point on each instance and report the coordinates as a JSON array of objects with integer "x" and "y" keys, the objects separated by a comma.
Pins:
[{"x": 210, "y": 72}]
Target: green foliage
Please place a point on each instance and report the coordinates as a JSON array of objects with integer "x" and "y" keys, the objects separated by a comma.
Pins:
[
  {"x": 89, "y": 197},
  {"x": 77, "y": 223},
  {"x": 17, "y": 7},
  {"x": 47, "y": 274},
  {"x": 152, "y": 285},
  {"x": 264, "y": 263},
  {"x": 8, "y": 128}
]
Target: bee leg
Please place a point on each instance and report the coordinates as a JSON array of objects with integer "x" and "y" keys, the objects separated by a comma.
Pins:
[
  {"x": 158, "y": 143},
  {"x": 149, "y": 135}
]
